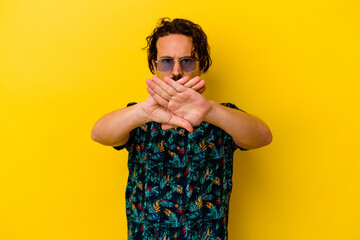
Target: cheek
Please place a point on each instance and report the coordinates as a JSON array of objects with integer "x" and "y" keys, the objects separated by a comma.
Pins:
[
  {"x": 192, "y": 74},
  {"x": 162, "y": 75}
]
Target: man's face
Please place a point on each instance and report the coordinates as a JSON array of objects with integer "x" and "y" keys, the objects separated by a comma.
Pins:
[{"x": 175, "y": 46}]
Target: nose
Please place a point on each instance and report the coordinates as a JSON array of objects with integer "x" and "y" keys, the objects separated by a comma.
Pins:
[{"x": 177, "y": 71}]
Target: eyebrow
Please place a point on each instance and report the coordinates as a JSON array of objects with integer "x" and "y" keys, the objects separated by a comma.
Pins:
[{"x": 173, "y": 58}]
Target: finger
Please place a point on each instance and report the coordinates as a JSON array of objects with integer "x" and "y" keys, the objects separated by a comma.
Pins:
[
  {"x": 183, "y": 80},
  {"x": 192, "y": 82},
  {"x": 175, "y": 85},
  {"x": 157, "y": 89},
  {"x": 161, "y": 101},
  {"x": 177, "y": 121},
  {"x": 199, "y": 85},
  {"x": 164, "y": 86},
  {"x": 167, "y": 126},
  {"x": 150, "y": 91},
  {"x": 202, "y": 90}
]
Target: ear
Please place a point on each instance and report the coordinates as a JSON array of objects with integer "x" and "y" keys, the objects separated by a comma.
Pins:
[{"x": 154, "y": 66}]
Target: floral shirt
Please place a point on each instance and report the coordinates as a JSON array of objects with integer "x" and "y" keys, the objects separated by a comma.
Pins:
[{"x": 179, "y": 183}]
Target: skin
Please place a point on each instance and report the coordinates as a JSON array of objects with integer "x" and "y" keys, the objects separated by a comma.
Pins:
[
  {"x": 179, "y": 104},
  {"x": 168, "y": 46},
  {"x": 175, "y": 46}
]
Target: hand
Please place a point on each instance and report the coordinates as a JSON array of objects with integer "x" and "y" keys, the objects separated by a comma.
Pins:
[
  {"x": 162, "y": 115},
  {"x": 182, "y": 101},
  {"x": 196, "y": 84}
]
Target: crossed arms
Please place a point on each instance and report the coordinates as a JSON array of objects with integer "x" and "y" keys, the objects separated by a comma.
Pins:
[{"x": 180, "y": 104}]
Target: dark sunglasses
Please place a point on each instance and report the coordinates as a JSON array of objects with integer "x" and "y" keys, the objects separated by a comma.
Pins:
[{"x": 187, "y": 64}]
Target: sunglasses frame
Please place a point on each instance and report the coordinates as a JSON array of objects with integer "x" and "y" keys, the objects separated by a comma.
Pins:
[{"x": 174, "y": 60}]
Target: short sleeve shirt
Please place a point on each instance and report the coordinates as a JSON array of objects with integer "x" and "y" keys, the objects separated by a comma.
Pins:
[{"x": 179, "y": 183}]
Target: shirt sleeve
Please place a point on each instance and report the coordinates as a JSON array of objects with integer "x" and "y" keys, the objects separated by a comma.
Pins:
[
  {"x": 128, "y": 143},
  {"x": 231, "y": 105}
]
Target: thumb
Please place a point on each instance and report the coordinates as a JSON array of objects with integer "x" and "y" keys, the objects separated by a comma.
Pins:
[
  {"x": 177, "y": 121},
  {"x": 165, "y": 126}
]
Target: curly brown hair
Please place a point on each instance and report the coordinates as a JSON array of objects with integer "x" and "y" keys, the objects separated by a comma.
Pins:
[{"x": 180, "y": 26}]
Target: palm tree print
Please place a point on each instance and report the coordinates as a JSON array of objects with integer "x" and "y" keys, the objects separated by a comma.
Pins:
[{"x": 179, "y": 183}]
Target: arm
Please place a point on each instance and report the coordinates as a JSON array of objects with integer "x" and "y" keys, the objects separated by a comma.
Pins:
[
  {"x": 248, "y": 131},
  {"x": 113, "y": 128}
]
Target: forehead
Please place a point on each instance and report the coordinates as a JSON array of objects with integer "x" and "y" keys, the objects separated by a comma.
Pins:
[{"x": 174, "y": 45}]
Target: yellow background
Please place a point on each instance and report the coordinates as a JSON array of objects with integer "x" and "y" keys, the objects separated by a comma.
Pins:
[{"x": 65, "y": 63}]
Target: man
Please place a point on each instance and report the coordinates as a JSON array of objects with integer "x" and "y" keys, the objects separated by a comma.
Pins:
[{"x": 180, "y": 144}]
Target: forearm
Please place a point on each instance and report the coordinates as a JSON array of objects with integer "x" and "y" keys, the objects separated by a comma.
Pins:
[
  {"x": 113, "y": 128},
  {"x": 248, "y": 131}
]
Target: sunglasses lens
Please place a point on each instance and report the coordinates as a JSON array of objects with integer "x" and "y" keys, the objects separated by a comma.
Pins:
[
  {"x": 188, "y": 64},
  {"x": 165, "y": 64}
]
